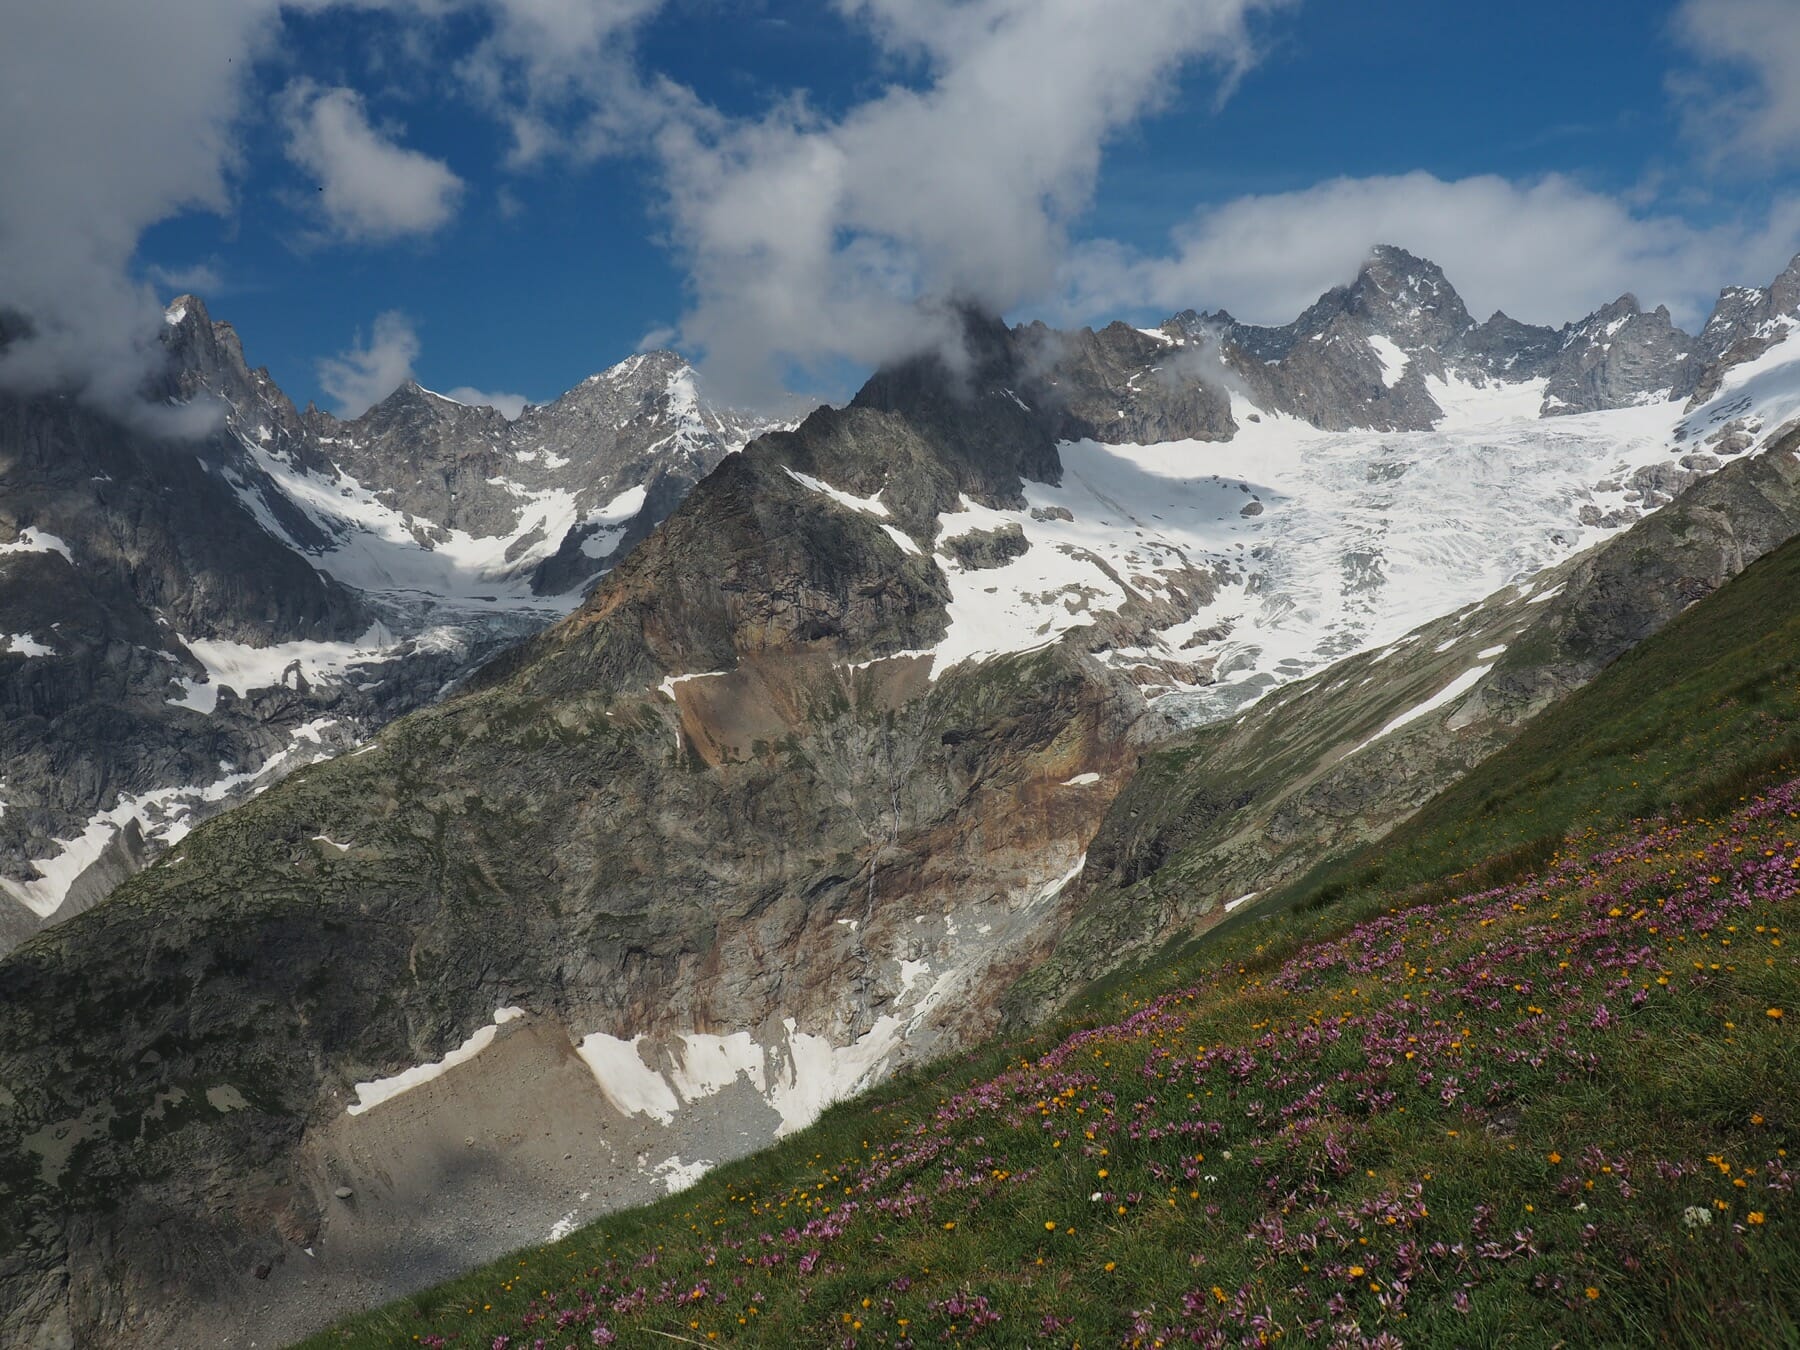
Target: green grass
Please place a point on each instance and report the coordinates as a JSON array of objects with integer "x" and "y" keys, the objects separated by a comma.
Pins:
[
  {"x": 975, "y": 1181},
  {"x": 1687, "y": 722},
  {"x": 1588, "y": 989}
]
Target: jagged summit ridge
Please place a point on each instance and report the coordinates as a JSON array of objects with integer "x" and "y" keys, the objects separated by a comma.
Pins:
[
  {"x": 1619, "y": 356},
  {"x": 215, "y": 614},
  {"x": 1405, "y": 298}
]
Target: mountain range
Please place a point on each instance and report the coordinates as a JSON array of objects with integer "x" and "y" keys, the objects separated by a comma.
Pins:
[
  {"x": 189, "y": 619},
  {"x": 894, "y": 728}
]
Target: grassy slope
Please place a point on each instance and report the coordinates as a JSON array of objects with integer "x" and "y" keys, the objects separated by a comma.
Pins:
[
  {"x": 1463, "y": 1091},
  {"x": 1685, "y": 723}
]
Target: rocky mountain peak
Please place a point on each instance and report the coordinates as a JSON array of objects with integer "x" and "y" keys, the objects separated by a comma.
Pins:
[
  {"x": 1784, "y": 294},
  {"x": 412, "y": 403},
  {"x": 1625, "y": 307},
  {"x": 204, "y": 356},
  {"x": 1399, "y": 296},
  {"x": 1745, "y": 317},
  {"x": 983, "y": 360},
  {"x": 638, "y": 384},
  {"x": 1737, "y": 310},
  {"x": 648, "y": 367},
  {"x": 1621, "y": 355},
  {"x": 187, "y": 311},
  {"x": 982, "y": 412},
  {"x": 1605, "y": 323},
  {"x": 1503, "y": 346},
  {"x": 1392, "y": 272}
]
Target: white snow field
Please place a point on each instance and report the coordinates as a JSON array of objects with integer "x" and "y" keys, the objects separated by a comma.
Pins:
[{"x": 1319, "y": 544}]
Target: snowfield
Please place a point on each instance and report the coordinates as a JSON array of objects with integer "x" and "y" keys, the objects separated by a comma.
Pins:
[{"x": 1315, "y": 545}]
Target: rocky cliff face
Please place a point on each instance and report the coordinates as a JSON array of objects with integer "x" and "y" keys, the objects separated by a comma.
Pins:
[
  {"x": 1619, "y": 356},
  {"x": 723, "y": 837},
  {"x": 186, "y": 619},
  {"x": 1212, "y": 822}
]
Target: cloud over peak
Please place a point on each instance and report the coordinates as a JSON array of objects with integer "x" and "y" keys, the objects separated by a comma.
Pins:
[
  {"x": 105, "y": 137},
  {"x": 1546, "y": 250},
  {"x": 811, "y": 239},
  {"x": 366, "y": 372}
]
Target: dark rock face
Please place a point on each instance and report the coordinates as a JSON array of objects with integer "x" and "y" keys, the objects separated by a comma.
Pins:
[
  {"x": 1619, "y": 356},
  {"x": 1512, "y": 350},
  {"x": 1121, "y": 386},
  {"x": 720, "y": 795},
  {"x": 434, "y": 458},
  {"x": 979, "y": 549},
  {"x": 161, "y": 542},
  {"x": 922, "y": 434}
]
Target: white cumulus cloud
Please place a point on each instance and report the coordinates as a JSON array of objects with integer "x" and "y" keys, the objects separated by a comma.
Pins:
[
  {"x": 810, "y": 239},
  {"x": 369, "y": 187},
  {"x": 117, "y": 116},
  {"x": 1545, "y": 251}
]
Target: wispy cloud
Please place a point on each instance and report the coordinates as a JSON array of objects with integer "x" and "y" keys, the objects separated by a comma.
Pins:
[
  {"x": 200, "y": 278},
  {"x": 559, "y": 75},
  {"x": 1743, "y": 102},
  {"x": 367, "y": 372}
]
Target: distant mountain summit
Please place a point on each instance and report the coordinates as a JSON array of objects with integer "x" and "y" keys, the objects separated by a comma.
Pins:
[
  {"x": 191, "y": 619},
  {"x": 421, "y": 473},
  {"x": 1363, "y": 354}
]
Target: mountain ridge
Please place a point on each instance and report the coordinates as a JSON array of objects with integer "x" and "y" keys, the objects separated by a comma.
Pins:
[
  {"x": 786, "y": 802},
  {"x": 214, "y": 611}
]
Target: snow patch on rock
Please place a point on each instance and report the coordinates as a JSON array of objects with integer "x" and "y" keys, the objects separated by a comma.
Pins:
[
  {"x": 33, "y": 540},
  {"x": 1393, "y": 361},
  {"x": 1461, "y": 685},
  {"x": 379, "y": 1090}
]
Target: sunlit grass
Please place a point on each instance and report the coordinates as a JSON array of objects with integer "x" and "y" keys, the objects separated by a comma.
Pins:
[
  {"x": 1479, "y": 1119},
  {"x": 1522, "y": 1074}
]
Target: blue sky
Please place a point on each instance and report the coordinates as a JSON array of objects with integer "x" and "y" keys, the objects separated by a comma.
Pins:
[{"x": 368, "y": 162}]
